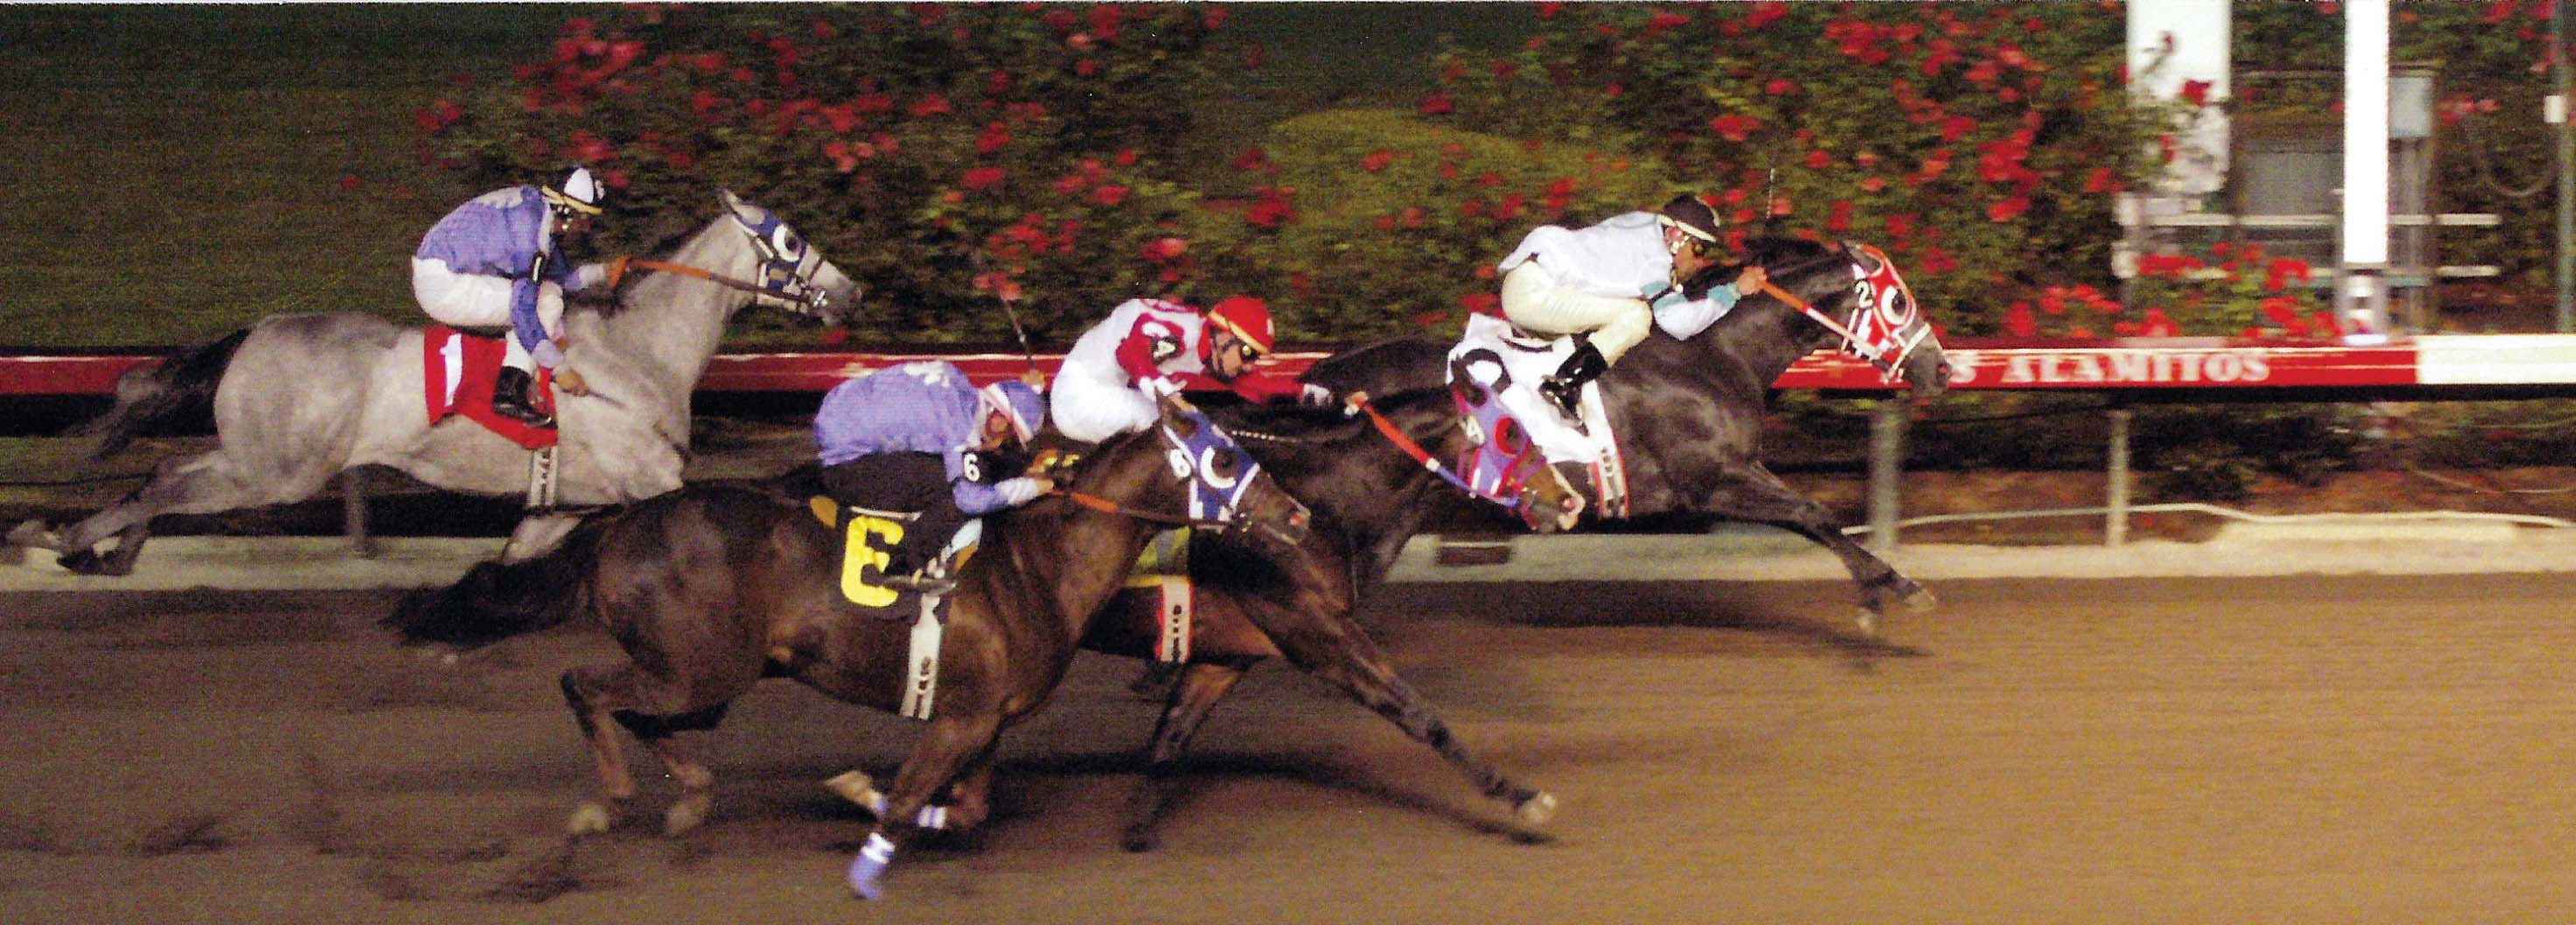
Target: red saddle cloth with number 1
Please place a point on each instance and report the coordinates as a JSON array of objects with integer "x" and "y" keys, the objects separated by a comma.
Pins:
[{"x": 458, "y": 369}]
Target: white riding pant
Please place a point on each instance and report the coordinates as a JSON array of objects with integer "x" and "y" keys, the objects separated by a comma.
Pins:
[
  {"x": 1535, "y": 300},
  {"x": 1089, "y": 410},
  {"x": 468, "y": 300}
]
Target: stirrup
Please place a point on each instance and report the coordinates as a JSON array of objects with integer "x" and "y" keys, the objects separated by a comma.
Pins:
[
  {"x": 919, "y": 583},
  {"x": 1566, "y": 396}
]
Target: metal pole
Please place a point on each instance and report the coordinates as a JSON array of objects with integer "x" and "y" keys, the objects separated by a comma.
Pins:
[
  {"x": 2566, "y": 167},
  {"x": 353, "y": 512},
  {"x": 1886, "y": 468},
  {"x": 2115, "y": 524}
]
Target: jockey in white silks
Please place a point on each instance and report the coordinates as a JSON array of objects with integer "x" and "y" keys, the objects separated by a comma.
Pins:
[
  {"x": 498, "y": 260},
  {"x": 1604, "y": 285},
  {"x": 1149, "y": 348}
]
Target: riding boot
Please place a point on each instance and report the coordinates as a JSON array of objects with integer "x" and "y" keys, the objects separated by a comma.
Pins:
[
  {"x": 510, "y": 398},
  {"x": 1565, "y": 388}
]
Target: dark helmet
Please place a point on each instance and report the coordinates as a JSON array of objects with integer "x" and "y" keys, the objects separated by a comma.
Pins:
[{"x": 1692, "y": 214}]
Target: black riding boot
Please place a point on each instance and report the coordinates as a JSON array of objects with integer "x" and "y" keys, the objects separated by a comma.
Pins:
[
  {"x": 1566, "y": 387},
  {"x": 510, "y": 398}
]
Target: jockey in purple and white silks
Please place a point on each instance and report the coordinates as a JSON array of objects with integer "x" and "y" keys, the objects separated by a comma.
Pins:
[
  {"x": 498, "y": 260},
  {"x": 919, "y": 439},
  {"x": 1605, "y": 285}
]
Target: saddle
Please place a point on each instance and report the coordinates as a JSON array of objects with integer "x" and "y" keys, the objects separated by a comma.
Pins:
[
  {"x": 1495, "y": 371},
  {"x": 458, "y": 370}
]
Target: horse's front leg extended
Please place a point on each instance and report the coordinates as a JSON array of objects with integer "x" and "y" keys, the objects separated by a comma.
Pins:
[
  {"x": 1201, "y": 685},
  {"x": 1760, "y": 497},
  {"x": 1328, "y": 645},
  {"x": 948, "y": 746}
]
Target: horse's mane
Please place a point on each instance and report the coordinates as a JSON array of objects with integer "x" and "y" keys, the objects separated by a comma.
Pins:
[{"x": 1289, "y": 423}]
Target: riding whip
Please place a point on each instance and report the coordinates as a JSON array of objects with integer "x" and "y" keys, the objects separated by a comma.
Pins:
[{"x": 982, "y": 267}]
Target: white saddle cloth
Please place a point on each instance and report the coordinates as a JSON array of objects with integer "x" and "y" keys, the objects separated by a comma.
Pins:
[{"x": 1529, "y": 362}]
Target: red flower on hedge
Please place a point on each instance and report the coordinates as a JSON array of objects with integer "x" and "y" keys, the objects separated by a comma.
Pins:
[
  {"x": 1377, "y": 161},
  {"x": 1734, "y": 127},
  {"x": 994, "y": 136},
  {"x": 1838, "y": 218},
  {"x": 1481, "y": 303},
  {"x": 1437, "y": 104},
  {"x": 2008, "y": 209},
  {"x": 1109, "y": 195},
  {"x": 931, "y": 105},
  {"x": 1817, "y": 159},
  {"x": 2018, "y": 320},
  {"x": 1161, "y": 250},
  {"x": 2098, "y": 181},
  {"x": 982, "y": 178},
  {"x": 1251, "y": 159}
]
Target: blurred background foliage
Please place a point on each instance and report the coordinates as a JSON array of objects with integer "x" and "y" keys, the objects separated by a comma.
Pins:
[{"x": 177, "y": 171}]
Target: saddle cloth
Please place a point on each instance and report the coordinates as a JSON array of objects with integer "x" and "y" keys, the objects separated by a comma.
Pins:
[
  {"x": 1506, "y": 364},
  {"x": 458, "y": 370},
  {"x": 866, "y": 536}
]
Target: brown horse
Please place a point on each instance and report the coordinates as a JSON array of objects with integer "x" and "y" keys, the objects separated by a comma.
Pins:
[
  {"x": 1370, "y": 492},
  {"x": 710, "y": 589}
]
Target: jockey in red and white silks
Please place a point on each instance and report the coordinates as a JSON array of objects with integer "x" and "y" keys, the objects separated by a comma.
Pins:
[{"x": 1149, "y": 348}]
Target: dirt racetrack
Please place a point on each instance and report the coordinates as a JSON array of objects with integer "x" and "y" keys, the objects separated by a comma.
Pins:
[{"x": 2307, "y": 749}]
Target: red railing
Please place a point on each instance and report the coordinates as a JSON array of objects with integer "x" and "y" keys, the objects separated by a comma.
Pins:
[{"x": 2110, "y": 364}]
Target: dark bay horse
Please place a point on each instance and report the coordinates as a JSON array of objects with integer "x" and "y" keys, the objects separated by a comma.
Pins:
[
  {"x": 1689, "y": 412},
  {"x": 711, "y": 588},
  {"x": 1370, "y": 494}
]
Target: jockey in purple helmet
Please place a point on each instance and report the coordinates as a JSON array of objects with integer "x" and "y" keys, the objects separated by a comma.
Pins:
[
  {"x": 498, "y": 260},
  {"x": 1604, "y": 283},
  {"x": 918, "y": 439}
]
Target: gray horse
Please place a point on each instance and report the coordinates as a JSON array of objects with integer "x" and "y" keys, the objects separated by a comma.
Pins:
[{"x": 298, "y": 398}]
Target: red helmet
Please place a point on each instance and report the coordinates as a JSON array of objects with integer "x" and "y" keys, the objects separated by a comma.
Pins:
[{"x": 1247, "y": 317}]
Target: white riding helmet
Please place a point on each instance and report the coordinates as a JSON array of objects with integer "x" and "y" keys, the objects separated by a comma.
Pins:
[{"x": 579, "y": 192}]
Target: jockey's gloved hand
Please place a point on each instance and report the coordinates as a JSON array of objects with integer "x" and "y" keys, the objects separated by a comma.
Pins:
[
  {"x": 589, "y": 275},
  {"x": 1314, "y": 396}
]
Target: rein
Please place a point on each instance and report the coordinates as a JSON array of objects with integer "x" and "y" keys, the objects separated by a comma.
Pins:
[
  {"x": 617, "y": 273},
  {"x": 1106, "y": 506},
  {"x": 1359, "y": 402}
]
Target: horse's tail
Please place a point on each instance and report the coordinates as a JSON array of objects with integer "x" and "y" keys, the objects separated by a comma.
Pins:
[
  {"x": 499, "y": 600},
  {"x": 174, "y": 397}
]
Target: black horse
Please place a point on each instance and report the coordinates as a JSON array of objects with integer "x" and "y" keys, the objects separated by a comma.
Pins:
[
  {"x": 711, "y": 588},
  {"x": 1689, "y": 412}
]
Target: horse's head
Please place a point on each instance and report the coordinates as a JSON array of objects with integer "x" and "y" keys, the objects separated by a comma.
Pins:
[
  {"x": 791, "y": 273},
  {"x": 1188, "y": 471},
  {"x": 1858, "y": 301}
]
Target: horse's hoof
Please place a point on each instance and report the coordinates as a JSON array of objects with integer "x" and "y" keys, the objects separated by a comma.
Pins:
[
  {"x": 859, "y": 789},
  {"x": 590, "y": 819},
  {"x": 1920, "y": 602},
  {"x": 869, "y": 865},
  {"x": 1536, "y": 810},
  {"x": 1140, "y": 839},
  {"x": 34, "y": 532},
  {"x": 686, "y": 814},
  {"x": 91, "y": 563},
  {"x": 1867, "y": 622}
]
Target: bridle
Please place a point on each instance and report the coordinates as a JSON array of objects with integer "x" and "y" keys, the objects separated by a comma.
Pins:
[
  {"x": 1881, "y": 300},
  {"x": 1214, "y": 499},
  {"x": 786, "y": 276}
]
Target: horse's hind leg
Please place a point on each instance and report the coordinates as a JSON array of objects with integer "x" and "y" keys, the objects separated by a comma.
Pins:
[
  {"x": 585, "y": 691},
  {"x": 601, "y": 693},
  {"x": 206, "y": 484},
  {"x": 678, "y": 741},
  {"x": 1201, "y": 685}
]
